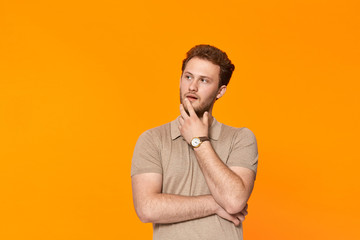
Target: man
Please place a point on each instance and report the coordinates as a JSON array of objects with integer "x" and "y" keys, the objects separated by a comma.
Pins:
[{"x": 192, "y": 177}]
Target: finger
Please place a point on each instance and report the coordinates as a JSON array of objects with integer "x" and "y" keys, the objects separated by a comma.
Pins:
[
  {"x": 244, "y": 212},
  {"x": 241, "y": 217},
  {"x": 182, "y": 112},
  {"x": 236, "y": 221},
  {"x": 206, "y": 118},
  {"x": 189, "y": 107},
  {"x": 181, "y": 121}
]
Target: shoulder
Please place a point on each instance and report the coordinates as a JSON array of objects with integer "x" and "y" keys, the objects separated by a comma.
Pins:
[
  {"x": 241, "y": 135},
  {"x": 243, "y": 150},
  {"x": 156, "y": 134},
  {"x": 151, "y": 141}
]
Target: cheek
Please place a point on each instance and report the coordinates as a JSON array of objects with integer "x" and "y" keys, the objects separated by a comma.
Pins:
[
  {"x": 182, "y": 87},
  {"x": 209, "y": 94}
]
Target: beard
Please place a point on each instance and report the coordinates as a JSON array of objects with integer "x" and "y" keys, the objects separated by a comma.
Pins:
[{"x": 202, "y": 108}]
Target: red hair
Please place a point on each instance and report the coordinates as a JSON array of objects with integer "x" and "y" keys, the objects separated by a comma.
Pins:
[{"x": 214, "y": 55}]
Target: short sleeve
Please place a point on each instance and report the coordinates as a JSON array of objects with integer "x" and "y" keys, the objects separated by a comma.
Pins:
[
  {"x": 146, "y": 157},
  {"x": 244, "y": 151}
]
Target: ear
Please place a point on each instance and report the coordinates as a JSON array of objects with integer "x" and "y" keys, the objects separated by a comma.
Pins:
[{"x": 221, "y": 91}]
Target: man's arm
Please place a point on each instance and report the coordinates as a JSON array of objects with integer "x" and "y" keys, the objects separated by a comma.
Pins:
[
  {"x": 230, "y": 187},
  {"x": 153, "y": 206}
]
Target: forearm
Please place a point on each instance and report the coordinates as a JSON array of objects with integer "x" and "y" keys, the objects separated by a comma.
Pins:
[
  {"x": 170, "y": 208},
  {"x": 227, "y": 188}
]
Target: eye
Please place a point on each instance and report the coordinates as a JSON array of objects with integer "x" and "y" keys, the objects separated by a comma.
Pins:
[
  {"x": 203, "y": 80},
  {"x": 187, "y": 76}
]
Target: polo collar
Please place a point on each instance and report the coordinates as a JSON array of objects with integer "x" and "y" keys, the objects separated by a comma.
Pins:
[{"x": 214, "y": 131}]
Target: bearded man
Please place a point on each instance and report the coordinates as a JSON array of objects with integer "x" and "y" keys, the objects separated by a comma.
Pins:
[{"x": 192, "y": 177}]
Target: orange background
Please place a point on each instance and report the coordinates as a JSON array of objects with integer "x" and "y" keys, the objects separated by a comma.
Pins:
[{"x": 81, "y": 80}]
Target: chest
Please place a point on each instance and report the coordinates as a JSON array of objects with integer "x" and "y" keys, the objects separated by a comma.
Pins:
[{"x": 181, "y": 172}]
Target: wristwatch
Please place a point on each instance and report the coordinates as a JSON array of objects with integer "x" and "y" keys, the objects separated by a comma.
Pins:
[{"x": 197, "y": 141}]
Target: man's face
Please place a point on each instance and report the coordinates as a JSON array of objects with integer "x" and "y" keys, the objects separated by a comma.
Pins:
[{"x": 200, "y": 84}]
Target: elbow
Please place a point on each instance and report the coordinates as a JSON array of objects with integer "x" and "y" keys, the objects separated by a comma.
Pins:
[
  {"x": 143, "y": 218},
  {"x": 234, "y": 209},
  {"x": 237, "y": 202},
  {"x": 144, "y": 214},
  {"x": 236, "y": 205}
]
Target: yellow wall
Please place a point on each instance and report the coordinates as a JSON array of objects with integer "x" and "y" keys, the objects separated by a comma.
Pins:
[{"x": 81, "y": 80}]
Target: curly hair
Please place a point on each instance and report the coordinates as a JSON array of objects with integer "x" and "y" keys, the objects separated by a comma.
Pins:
[{"x": 214, "y": 55}]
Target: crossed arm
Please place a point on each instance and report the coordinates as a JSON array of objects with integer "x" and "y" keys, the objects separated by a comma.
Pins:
[
  {"x": 230, "y": 187},
  {"x": 153, "y": 206}
]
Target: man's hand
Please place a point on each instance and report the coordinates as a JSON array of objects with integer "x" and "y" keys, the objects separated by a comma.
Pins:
[
  {"x": 235, "y": 218},
  {"x": 192, "y": 126}
]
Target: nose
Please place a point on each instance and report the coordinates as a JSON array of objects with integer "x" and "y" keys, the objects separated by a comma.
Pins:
[{"x": 193, "y": 86}]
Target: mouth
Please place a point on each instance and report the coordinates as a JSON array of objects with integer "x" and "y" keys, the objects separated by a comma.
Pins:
[{"x": 191, "y": 97}]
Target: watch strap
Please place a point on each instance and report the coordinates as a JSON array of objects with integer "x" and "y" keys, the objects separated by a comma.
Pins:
[{"x": 203, "y": 139}]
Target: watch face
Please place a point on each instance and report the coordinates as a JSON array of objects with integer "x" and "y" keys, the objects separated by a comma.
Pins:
[{"x": 195, "y": 142}]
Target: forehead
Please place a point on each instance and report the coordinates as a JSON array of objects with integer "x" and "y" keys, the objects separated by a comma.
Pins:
[{"x": 202, "y": 67}]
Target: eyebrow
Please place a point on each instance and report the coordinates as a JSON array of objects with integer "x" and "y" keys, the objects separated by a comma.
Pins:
[{"x": 202, "y": 76}]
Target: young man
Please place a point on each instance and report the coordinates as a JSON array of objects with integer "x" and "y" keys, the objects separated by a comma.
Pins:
[{"x": 192, "y": 177}]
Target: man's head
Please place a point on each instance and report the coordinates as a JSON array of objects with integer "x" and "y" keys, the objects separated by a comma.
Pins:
[
  {"x": 214, "y": 55},
  {"x": 205, "y": 73}
]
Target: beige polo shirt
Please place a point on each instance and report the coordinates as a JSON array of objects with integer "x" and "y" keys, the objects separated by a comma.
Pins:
[{"x": 163, "y": 150}]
